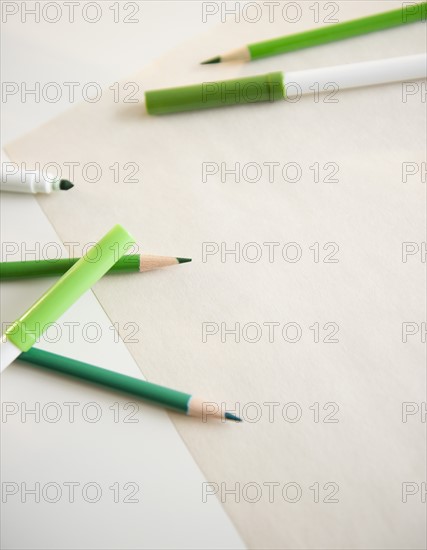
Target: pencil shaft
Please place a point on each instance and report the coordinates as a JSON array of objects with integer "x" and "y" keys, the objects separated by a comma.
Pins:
[
  {"x": 339, "y": 31},
  {"x": 50, "y": 268},
  {"x": 160, "y": 395},
  {"x": 367, "y": 73},
  {"x": 279, "y": 86}
]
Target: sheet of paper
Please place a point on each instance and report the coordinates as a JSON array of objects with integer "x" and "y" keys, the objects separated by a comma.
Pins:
[
  {"x": 84, "y": 467},
  {"x": 299, "y": 252}
]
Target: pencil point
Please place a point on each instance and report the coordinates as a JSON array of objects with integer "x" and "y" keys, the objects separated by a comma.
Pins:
[
  {"x": 230, "y": 416},
  {"x": 183, "y": 260},
  {"x": 210, "y": 61},
  {"x": 64, "y": 185}
]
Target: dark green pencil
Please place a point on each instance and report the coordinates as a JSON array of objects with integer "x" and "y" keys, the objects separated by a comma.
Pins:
[{"x": 159, "y": 395}]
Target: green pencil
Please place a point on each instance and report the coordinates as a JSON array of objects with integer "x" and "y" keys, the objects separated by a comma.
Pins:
[
  {"x": 159, "y": 395},
  {"x": 410, "y": 13},
  {"x": 50, "y": 268}
]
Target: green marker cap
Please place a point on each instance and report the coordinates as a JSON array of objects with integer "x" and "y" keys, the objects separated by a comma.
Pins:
[
  {"x": 252, "y": 89},
  {"x": 25, "y": 332}
]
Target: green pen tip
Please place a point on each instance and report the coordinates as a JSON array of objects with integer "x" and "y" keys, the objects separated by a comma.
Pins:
[
  {"x": 210, "y": 61},
  {"x": 64, "y": 185},
  {"x": 183, "y": 260},
  {"x": 230, "y": 416}
]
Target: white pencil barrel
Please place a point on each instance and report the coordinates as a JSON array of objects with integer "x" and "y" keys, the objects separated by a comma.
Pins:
[
  {"x": 27, "y": 182},
  {"x": 355, "y": 75}
]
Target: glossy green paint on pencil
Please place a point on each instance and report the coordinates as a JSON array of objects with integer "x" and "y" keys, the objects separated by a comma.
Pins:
[
  {"x": 130, "y": 263},
  {"x": 51, "y": 268},
  {"x": 153, "y": 393},
  {"x": 146, "y": 390},
  {"x": 410, "y": 13},
  {"x": 339, "y": 31}
]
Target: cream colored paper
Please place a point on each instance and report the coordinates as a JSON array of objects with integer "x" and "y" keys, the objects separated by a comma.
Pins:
[{"x": 369, "y": 293}]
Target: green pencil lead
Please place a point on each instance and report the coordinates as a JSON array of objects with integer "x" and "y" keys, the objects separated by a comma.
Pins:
[
  {"x": 230, "y": 416},
  {"x": 183, "y": 260},
  {"x": 210, "y": 61},
  {"x": 64, "y": 185}
]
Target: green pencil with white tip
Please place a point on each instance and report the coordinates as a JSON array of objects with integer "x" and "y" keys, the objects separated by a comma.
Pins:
[{"x": 158, "y": 395}]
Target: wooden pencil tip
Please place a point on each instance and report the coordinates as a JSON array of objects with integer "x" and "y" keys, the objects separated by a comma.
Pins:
[
  {"x": 210, "y": 61},
  {"x": 230, "y": 416},
  {"x": 183, "y": 260}
]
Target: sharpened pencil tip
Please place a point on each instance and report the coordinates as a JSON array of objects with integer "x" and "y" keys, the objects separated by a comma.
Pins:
[
  {"x": 183, "y": 260},
  {"x": 64, "y": 185},
  {"x": 230, "y": 416},
  {"x": 210, "y": 61}
]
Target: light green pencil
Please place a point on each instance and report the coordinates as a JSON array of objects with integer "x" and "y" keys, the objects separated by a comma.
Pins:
[
  {"x": 130, "y": 263},
  {"x": 159, "y": 395},
  {"x": 409, "y": 13}
]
